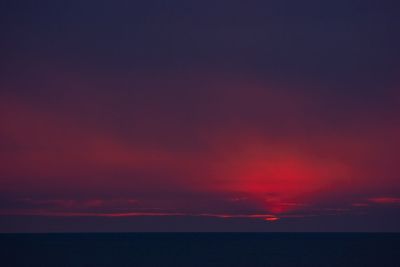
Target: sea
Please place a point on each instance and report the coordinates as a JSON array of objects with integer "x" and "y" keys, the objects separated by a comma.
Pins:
[{"x": 200, "y": 249}]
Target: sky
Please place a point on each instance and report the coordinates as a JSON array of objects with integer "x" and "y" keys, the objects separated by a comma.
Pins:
[{"x": 199, "y": 116}]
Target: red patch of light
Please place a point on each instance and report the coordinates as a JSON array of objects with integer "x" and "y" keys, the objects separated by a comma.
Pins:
[{"x": 271, "y": 219}]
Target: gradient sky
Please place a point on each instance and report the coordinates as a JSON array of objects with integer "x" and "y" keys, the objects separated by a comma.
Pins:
[{"x": 199, "y": 116}]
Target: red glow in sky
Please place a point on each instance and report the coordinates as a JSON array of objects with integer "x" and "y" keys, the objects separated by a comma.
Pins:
[{"x": 234, "y": 150}]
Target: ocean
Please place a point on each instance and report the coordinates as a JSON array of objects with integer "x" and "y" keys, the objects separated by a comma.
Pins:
[{"x": 200, "y": 249}]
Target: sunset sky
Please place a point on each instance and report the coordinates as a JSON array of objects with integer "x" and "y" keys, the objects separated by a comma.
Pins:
[{"x": 199, "y": 116}]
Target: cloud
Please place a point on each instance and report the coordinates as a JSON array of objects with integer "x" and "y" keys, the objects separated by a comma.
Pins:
[
  {"x": 385, "y": 200},
  {"x": 360, "y": 204},
  {"x": 49, "y": 213}
]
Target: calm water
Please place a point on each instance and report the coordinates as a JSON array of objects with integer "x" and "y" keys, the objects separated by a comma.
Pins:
[{"x": 200, "y": 249}]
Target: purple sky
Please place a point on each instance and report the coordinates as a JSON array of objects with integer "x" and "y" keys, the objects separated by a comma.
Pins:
[{"x": 184, "y": 116}]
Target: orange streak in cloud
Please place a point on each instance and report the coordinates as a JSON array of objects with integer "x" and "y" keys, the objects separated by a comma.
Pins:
[{"x": 272, "y": 219}]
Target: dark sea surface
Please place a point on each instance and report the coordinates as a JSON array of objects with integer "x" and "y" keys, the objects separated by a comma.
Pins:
[{"x": 200, "y": 249}]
